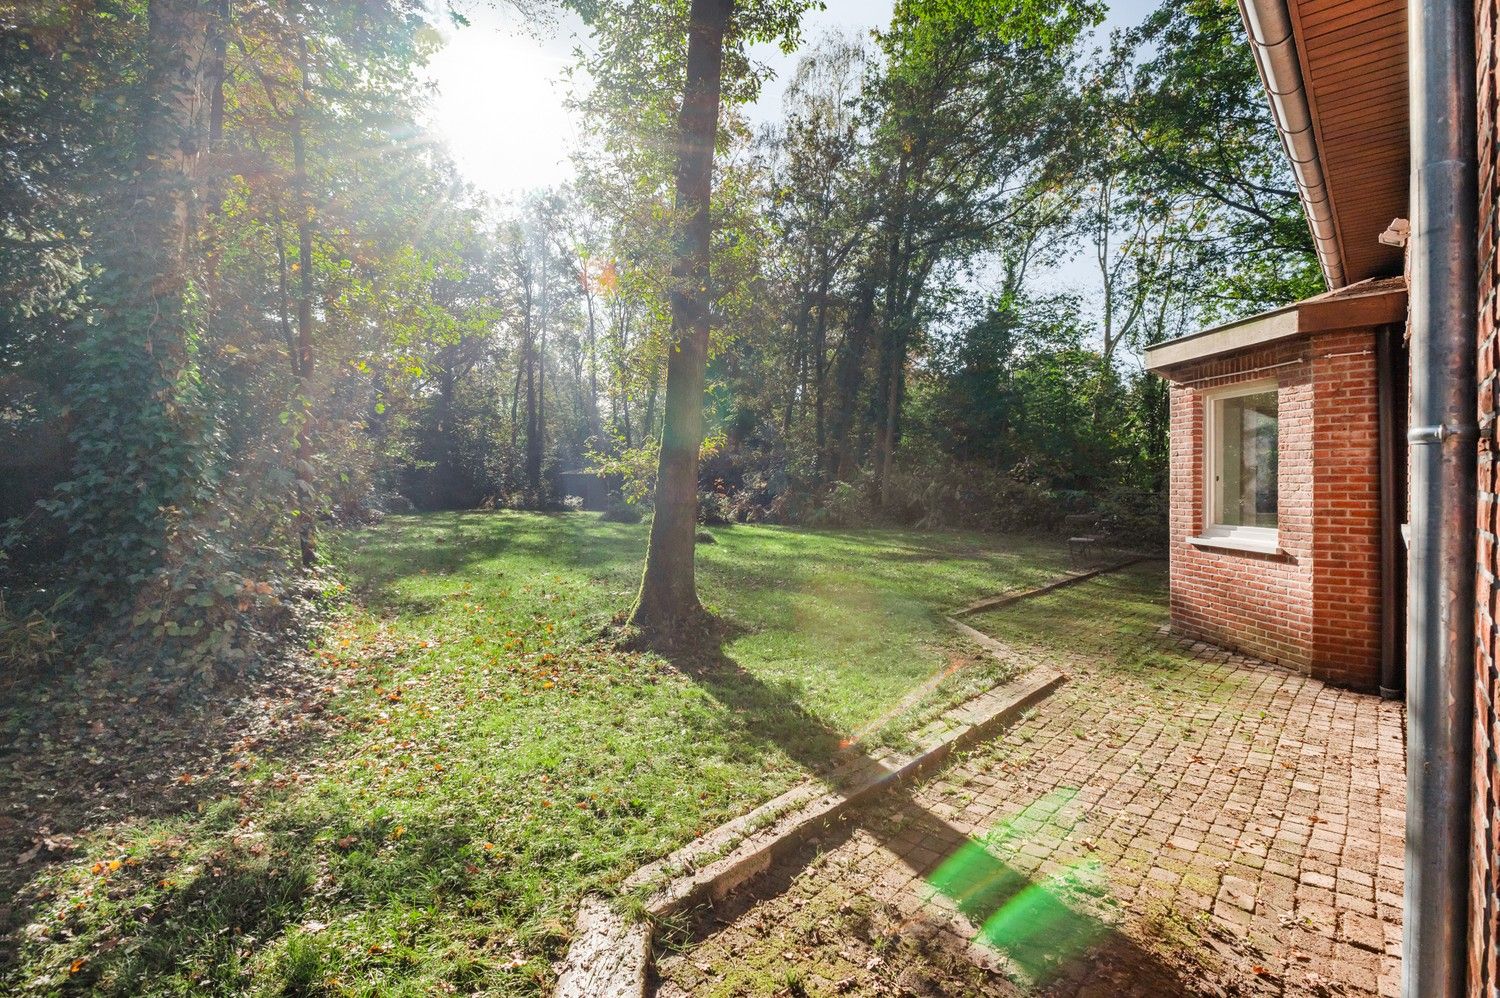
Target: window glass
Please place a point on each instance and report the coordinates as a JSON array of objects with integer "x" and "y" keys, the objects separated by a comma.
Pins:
[{"x": 1246, "y": 465}]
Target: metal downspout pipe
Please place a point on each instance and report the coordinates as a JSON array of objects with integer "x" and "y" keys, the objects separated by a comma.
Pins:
[
  {"x": 1391, "y": 401},
  {"x": 1443, "y": 435},
  {"x": 1275, "y": 48}
]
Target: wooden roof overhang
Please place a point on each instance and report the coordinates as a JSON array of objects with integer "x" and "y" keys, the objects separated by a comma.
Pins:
[
  {"x": 1353, "y": 62},
  {"x": 1368, "y": 304}
]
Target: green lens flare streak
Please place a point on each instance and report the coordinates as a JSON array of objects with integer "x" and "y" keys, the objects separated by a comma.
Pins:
[{"x": 1027, "y": 922}]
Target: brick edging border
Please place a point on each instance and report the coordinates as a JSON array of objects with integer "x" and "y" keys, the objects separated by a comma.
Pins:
[
  {"x": 610, "y": 956},
  {"x": 1006, "y": 599}
]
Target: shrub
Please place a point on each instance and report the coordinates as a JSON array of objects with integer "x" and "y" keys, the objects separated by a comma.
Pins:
[
  {"x": 621, "y": 512},
  {"x": 715, "y": 507},
  {"x": 30, "y": 641},
  {"x": 636, "y": 468},
  {"x": 1134, "y": 518},
  {"x": 845, "y": 505}
]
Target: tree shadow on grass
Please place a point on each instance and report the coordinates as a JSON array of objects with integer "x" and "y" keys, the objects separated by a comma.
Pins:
[
  {"x": 81, "y": 758},
  {"x": 441, "y": 544},
  {"x": 1023, "y": 919},
  {"x": 199, "y": 921}
]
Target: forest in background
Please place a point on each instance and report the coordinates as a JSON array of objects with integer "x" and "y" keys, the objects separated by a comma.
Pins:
[{"x": 246, "y": 300}]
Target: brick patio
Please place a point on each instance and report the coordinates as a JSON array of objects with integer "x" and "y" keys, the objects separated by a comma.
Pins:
[{"x": 1175, "y": 820}]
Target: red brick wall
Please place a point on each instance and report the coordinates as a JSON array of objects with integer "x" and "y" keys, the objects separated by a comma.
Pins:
[
  {"x": 1484, "y": 923},
  {"x": 1260, "y": 604},
  {"x": 1346, "y": 500},
  {"x": 1314, "y": 607}
]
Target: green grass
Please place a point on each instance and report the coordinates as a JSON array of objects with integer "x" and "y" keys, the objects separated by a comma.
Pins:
[
  {"x": 1110, "y": 618},
  {"x": 491, "y": 759}
]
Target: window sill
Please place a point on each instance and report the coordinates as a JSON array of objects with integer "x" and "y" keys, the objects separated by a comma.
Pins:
[{"x": 1254, "y": 545}]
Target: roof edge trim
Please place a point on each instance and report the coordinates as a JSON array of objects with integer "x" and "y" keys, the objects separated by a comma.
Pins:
[
  {"x": 1274, "y": 45},
  {"x": 1370, "y": 303}
]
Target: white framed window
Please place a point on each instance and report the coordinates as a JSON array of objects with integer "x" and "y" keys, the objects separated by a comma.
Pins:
[{"x": 1241, "y": 437}]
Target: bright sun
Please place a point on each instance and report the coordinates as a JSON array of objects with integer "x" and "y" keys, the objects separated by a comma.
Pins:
[{"x": 500, "y": 103}]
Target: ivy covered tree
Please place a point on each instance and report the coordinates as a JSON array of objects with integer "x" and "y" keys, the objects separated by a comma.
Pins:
[{"x": 144, "y": 446}]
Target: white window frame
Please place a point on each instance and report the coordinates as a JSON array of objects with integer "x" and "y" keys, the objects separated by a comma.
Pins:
[{"x": 1261, "y": 540}]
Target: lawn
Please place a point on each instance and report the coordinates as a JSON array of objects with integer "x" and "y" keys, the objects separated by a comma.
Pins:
[{"x": 462, "y": 757}]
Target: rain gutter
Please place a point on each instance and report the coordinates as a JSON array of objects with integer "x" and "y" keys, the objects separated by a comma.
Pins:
[{"x": 1275, "y": 47}]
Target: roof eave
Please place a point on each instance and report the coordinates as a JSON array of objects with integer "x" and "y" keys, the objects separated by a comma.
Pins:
[
  {"x": 1367, "y": 304},
  {"x": 1273, "y": 43}
]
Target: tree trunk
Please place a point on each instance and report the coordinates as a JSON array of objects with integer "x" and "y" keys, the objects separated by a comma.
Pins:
[
  {"x": 648, "y": 420},
  {"x": 851, "y": 369},
  {"x": 533, "y": 447},
  {"x": 141, "y": 457},
  {"x": 445, "y": 467},
  {"x": 799, "y": 362},
  {"x": 892, "y": 326},
  {"x": 820, "y": 372},
  {"x": 284, "y": 289},
  {"x": 591, "y": 406},
  {"x": 307, "y": 492},
  {"x": 536, "y": 431},
  {"x": 515, "y": 405},
  {"x": 888, "y": 435},
  {"x": 669, "y": 597},
  {"x": 620, "y": 389},
  {"x": 213, "y": 199}
]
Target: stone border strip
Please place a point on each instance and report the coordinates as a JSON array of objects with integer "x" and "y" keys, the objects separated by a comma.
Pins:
[
  {"x": 984, "y": 641},
  {"x": 608, "y": 955},
  {"x": 1005, "y": 599}
]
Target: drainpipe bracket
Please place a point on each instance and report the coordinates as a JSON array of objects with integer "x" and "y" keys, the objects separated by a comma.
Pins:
[{"x": 1437, "y": 434}]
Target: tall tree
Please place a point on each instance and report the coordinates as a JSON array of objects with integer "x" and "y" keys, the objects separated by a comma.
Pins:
[
  {"x": 668, "y": 596},
  {"x": 1194, "y": 150},
  {"x": 717, "y": 32},
  {"x": 307, "y": 492},
  {"x": 140, "y": 436},
  {"x": 974, "y": 104}
]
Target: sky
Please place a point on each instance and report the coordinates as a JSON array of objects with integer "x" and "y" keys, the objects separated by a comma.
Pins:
[
  {"x": 501, "y": 86},
  {"x": 502, "y": 82}
]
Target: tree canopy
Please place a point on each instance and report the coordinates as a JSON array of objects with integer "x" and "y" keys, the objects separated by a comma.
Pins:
[{"x": 247, "y": 300}]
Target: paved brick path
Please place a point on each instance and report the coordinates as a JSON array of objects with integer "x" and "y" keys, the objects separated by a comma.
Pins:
[{"x": 1176, "y": 820}]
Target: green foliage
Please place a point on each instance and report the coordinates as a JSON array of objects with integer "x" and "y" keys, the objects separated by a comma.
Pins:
[
  {"x": 636, "y": 467},
  {"x": 1198, "y": 146},
  {"x": 160, "y": 335},
  {"x": 931, "y": 24},
  {"x": 31, "y": 641},
  {"x": 621, "y": 512},
  {"x": 332, "y": 327}
]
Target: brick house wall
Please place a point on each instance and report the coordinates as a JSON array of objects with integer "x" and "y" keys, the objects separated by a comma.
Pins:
[
  {"x": 1484, "y": 879},
  {"x": 1346, "y": 497},
  {"x": 1315, "y": 606}
]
